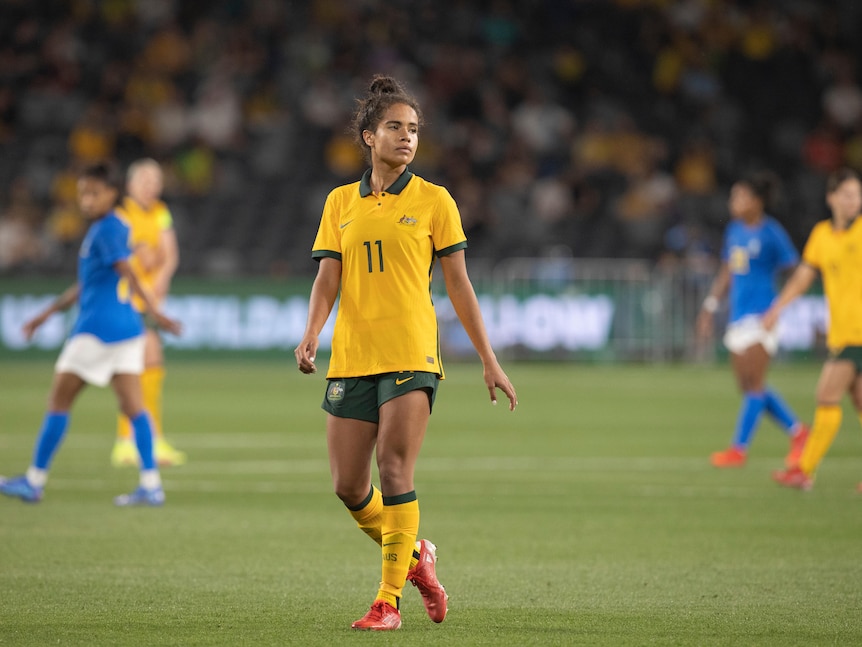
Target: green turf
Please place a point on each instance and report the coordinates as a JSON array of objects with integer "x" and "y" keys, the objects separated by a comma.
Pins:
[{"x": 588, "y": 517}]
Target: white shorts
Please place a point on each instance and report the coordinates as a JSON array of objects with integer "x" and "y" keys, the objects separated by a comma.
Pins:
[
  {"x": 96, "y": 362},
  {"x": 747, "y": 332}
]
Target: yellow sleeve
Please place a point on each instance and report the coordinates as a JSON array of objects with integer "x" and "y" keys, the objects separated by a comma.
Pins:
[
  {"x": 446, "y": 228},
  {"x": 328, "y": 240},
  {"x": 164, "y": 219}
]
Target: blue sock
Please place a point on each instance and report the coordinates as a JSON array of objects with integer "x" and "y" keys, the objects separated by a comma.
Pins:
[
  {"x": 749, "y": 416},
  {"x": 54, "y": 427},
  {"x": 779, "y": 409},
  {"x": 144, "y": 440}
]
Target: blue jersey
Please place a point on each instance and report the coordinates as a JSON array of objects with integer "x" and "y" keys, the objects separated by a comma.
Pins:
[
  {"x": 105, "y": 309},
  {"x": 754, "y": 256}
]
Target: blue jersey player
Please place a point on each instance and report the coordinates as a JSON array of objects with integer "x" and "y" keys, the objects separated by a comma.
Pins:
[
  {"x": 756, "y": 250},
  {"x": 105, "y": 346}
]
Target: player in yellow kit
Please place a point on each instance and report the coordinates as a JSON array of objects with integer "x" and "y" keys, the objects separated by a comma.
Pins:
[
  {"x": 155, "y": 258},
  {"x": 377, "y": 244},
  {"x": 834, "y": 249}
]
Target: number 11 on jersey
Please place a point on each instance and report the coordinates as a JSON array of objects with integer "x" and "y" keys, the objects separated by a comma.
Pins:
[{"x": 379, "y": 245}]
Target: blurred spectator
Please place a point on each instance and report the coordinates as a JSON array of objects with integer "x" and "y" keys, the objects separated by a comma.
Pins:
[
  {"x": 217, "y": 114},
  {"x": 545, "y": 127},
  {"x": 645, "y": 209},
  {"x": 92, "y": 138},
  {"x": 842, "y": 100},
  {"x": 695, "y": 171},
  {"x": 21, "y": 242},
  {"x": 822, "y": 150}
]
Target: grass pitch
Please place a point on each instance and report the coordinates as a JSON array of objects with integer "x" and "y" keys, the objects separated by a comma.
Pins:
[{"x": 590, "y": 516}]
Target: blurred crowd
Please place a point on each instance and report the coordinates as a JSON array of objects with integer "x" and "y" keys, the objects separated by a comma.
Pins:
[{"x": 586, "y": 128}]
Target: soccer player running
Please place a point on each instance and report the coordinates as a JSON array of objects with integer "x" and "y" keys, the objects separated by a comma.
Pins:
[
  {"x": 106, "y": 344},
  {"x": 834, "y": 250},
  {"x": 756, "y": 249},
  {"x": 377, "y": 243},
  {"x": 154, "y": 260}
]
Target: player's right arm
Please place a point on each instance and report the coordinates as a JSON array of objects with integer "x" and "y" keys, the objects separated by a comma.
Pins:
[
  {"x": 61, "y": 303},
  {"x": 717, "y": 292},
  {"x": 463, "y": 298},
  {"x": 324, "y": 291},
  {"x": 796, "y": 286}
]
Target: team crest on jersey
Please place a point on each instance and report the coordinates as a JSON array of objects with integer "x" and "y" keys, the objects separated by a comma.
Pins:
[
  {"x": 335, "y": 391},
  {"x": 738, "y": 260},
  {"x": 407, "y": 220}
]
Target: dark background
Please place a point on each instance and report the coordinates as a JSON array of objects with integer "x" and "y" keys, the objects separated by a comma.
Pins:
[{"x": 602, "y": 129}]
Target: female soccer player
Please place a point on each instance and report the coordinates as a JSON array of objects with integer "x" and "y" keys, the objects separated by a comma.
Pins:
[
  {"x": 106, "y": 344},
  {"x": 378, "y": 241},
  {"x": 155, "y": 256},
  {"x": 756, "y": 248},
  {"x": 834, "y": 249}
]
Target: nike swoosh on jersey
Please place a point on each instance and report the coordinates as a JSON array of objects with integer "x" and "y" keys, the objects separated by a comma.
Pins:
[
  {"x": 345, "y": 224},
  {"x": 402, "y": 381}
]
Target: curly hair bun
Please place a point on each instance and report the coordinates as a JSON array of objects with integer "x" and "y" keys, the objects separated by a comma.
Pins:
[{"x": 385, "y": 85}]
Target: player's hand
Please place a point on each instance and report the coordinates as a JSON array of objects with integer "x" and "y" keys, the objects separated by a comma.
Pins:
[
  {"x": 29, "y": 328},
  {"x": 770, "y": 318},
  {"x": 704, "y": 325},
  {"x": 495, "y": 379},
  {"x": 304, "y": 354},
  {"x": 166, "y": 323}
]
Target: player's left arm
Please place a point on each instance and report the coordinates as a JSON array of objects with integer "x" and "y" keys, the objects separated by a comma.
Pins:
[
  {"x": 466, "y": 305},
  {"x": 170, "y": 252}
]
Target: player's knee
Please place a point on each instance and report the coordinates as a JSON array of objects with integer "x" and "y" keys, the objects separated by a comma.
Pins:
[{"x": 350, "y": 494}]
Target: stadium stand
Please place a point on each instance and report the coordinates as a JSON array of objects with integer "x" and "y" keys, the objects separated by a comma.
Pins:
[{"x": 593, "y": 128}]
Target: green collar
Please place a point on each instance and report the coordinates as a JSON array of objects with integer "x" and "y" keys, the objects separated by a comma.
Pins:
[{"x": 396, "y": 187}]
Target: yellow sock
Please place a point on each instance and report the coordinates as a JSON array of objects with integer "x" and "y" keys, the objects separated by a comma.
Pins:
[
  {"x": 827, "y": 421},
  {"x": 400, "y": 525},
  {"x": 394, "y": 600},
  {"x": 124, "y": 428},
  {"x": 151, "y": 384},
  {"x": 152, "y": 380},
  {"x": 369, "y": 515}
]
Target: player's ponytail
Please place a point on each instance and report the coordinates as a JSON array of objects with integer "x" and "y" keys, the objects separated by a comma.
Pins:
[
  {"x": 385, "y": 85},
  {"x": 383, "y": 92}
]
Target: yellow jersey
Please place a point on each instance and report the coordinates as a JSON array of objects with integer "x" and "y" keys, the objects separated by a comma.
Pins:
[
  {"x": 387, "y": 244},
  {"x": 838, "y": 257},
  {"x": 146, "y": 228}
]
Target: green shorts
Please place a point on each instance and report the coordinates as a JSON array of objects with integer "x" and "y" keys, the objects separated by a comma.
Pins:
[
  {"x": 361, "y": 397},
  {"x": 850, "y": 354}
]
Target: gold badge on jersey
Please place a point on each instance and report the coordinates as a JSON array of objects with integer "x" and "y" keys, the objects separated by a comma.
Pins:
[
  {"x": 335, "y": 391},
  {"x": 407, "y": 220}
]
